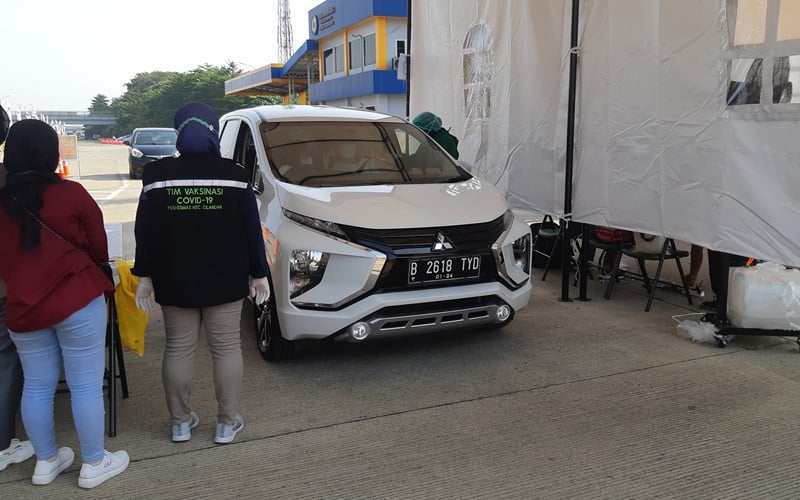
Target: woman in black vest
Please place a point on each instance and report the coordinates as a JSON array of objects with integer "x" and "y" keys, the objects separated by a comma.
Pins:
[{"x": 199, "y": 247}]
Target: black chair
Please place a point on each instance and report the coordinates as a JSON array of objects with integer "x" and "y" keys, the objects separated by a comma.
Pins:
[
  {"x": 668, "y": 251},
  {"x": 115, "y": 362},
  {"x": 614, "y": 248}
]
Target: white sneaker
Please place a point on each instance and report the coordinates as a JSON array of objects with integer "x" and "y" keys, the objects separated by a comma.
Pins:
[
  {"x": 17, "y": 452},
  {"x": 183, "y": 431},
  {"x": 46, "y": 472},
  {"x": 226, "y": 433},
  {"x": 112, "y": 464}
]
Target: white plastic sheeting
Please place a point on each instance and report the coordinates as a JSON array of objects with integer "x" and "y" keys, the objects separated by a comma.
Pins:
[{"x": 657, "y": 149}]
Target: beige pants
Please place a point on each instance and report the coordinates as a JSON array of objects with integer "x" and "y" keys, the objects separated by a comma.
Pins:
[{"x": 182, "y": 328}]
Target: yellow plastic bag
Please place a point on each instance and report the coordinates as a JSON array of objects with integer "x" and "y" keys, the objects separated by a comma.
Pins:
[{"x": 132, "y": 320}]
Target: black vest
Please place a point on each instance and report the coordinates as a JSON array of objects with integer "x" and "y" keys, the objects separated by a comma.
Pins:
[{"x": 191, "y": 234}]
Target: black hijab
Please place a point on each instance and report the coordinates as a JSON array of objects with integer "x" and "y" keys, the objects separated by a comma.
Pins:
[
  {"x": 198, "y": 129},
  {"x": 31, "y": 158}
]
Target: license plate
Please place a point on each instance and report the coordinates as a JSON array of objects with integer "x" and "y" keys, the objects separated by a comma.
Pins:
[{"x": 444, "y": 268}]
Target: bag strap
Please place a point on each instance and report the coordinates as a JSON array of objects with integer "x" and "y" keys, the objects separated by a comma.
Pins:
[
  {"x": 48, "y": 228},
  {"x": 105, "y": 267}
]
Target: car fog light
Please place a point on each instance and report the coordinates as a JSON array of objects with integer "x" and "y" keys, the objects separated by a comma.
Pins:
[
  {"x": 306, "y": 270},
  {"x": 359, "y": 331},
  {"x": 503, "y": 312}
]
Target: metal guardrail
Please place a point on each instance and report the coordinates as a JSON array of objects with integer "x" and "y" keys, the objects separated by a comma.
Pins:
[{"x": 80, "y": 117}]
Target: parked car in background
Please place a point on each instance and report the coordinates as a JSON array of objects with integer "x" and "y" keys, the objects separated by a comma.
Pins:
[
  {"x": 372, "y": 230},
  {"x": 149, "y": 144}
]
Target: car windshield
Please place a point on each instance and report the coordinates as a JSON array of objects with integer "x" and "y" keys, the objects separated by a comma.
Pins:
[
  {"x": 156, "y": 138},
  {"x": 331, "y": 154}
]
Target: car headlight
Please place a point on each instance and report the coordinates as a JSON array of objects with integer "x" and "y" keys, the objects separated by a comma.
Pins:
[
  {"x": 522, "y": 253},
  {"x": 513, "y": 260},
  {"x": 136, "y": 153},
  {"x": 320, "y": 225},
  {"x": 176, "y": 154},
  {"x": 306, "y": 269}
]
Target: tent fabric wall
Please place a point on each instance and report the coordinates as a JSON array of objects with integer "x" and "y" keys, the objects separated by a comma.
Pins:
[
  {"x": 504, "y": 148},
  {"x": 656, "y": 149}
]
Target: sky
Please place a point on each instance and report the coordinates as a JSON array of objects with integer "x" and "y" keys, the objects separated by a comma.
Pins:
[{"x": 58, "y": 55}]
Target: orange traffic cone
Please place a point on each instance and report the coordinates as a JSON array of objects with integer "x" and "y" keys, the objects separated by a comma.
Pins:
[
  {"x": 65, "y": 167},
  {"x": 60, "y": 171}
]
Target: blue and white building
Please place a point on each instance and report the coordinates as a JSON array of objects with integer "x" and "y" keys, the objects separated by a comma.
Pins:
[{"x": 350, "y": 59}]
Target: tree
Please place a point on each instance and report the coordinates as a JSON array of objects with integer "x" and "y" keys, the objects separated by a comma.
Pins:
[
  {"x": 151, "y": 99},
  {"x": 99, "y": 105}
]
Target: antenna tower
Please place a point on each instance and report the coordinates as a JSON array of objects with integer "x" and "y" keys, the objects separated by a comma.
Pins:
[{"x": 285, "y": 42}]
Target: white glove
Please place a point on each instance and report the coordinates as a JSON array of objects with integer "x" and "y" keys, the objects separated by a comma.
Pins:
[
  {"x": 259, "y": 290},
  {"x": 144, "y": 294}
]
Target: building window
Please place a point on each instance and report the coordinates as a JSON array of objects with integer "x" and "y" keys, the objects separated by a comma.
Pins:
[
  {"x": 478, "y": 62},
  {"x": 339, "y": 53},
  {"x": 357, "y": 53},
  {"x": 400, "y": 48},
  {"x": 369, "y": 49},
  {"x": 763, "y": 46},
  {"x": 333, "y": 60},
  {"x": 327, "y": 62},
  {"x": 362, "y": 51}
]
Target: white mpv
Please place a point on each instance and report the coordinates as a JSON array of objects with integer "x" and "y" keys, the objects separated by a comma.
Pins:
[{"x": 372, "y": 229}]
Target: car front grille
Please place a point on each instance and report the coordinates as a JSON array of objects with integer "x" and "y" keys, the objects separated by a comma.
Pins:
[{"x": 403, "y": 245}]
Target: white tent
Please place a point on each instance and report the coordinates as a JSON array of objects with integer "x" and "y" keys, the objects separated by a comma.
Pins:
[{"x": 661, "y": 143}]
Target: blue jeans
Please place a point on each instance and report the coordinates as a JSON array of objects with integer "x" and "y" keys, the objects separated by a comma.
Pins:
[{"x": 78, "y": 343}]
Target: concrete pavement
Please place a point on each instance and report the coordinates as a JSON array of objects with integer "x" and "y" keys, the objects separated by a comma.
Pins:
[{"x": 594, "y": 399}]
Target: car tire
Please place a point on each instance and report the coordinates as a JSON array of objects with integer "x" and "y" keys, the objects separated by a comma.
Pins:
[{"x": 269, "y": 340}]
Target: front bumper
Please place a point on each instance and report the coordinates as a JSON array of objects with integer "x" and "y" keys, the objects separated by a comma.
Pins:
[
  {"x": 412, "y": 312},
  {"x": 389, "y": 310}
]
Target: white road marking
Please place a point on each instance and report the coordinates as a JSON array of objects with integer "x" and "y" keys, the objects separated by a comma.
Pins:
[
  {"x": 117, "y": 192},
  {"x": 102, "y": 196}
]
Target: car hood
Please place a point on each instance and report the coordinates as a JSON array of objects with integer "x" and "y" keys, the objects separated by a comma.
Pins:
[
  {"x": 397, "y": 206},
  {"x": 156, "y": 150}
]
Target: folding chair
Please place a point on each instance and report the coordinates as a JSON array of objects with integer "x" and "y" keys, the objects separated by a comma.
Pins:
[
  {"x": 115, "y": 366},
  {"x": 616, "y": 248},
  {"x": 668, "y": 251}
]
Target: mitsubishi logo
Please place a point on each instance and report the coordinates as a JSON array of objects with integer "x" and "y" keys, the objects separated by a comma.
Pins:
[{"x": 441, "y": 243}]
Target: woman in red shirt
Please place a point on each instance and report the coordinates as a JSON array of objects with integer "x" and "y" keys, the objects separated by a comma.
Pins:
[{"x": 53, "y": 241}]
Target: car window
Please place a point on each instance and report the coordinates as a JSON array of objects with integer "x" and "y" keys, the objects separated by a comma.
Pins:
[
  {"x": 156, "y": 137},
  {"x": 246, "y": 154},
  {"x": 322, "y": 154}
]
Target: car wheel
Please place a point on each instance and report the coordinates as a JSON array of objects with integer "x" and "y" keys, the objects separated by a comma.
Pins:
[
  {"x": 270, "y": 341},
  {"x": 131, "y": 173}
]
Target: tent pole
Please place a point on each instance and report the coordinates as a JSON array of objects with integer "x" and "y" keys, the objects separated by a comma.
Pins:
[
  {"x": 408, "y": 63},
  {"x": 566, "y": 247}
]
